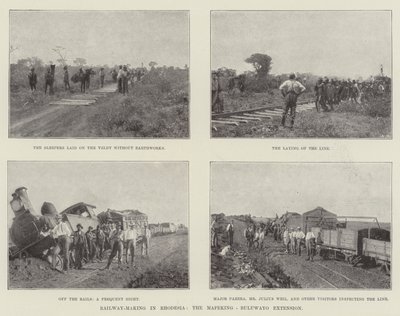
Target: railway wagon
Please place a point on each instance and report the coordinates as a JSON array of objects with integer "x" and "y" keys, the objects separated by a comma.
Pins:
[{"x": 355, "y": 246}]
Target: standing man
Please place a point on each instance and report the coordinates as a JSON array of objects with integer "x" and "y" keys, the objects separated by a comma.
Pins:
[
  {"x": 217, "y": 101},
  {"x": 249, "y": 235},
  {"x": 80, "y": 246},
  {"x": 214, "y": 237},
  {"x": 102, "y": 74},
  {"x": 310, "y": 244},
  {"x": 91, "y": 244},
  {"x": 32, "y": 77},
  {"x": 130, "y": 237},
  {"x": 61, "y": 233},
  {"x": 286, "y": 239},
  {"x": 116, "y": 237},
  {"x": 146, "y": 241},
  {"x": 229, "y": 230},
  {"x": 82, "y": 78},
  {"x": 125, "y": 79},
  {"x": 299, "y": 238},
  {"x": 292, "y": 236},
  {"x": 100, "y": 241},
  {"x": 48, "y": 81},
  {"x": 290, "y": 90},
  {"x": 120, "y": 79},
  {"x": 66, "y": 79}
]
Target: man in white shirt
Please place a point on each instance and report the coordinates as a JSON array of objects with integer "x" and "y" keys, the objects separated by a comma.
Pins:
[
  {"x": 61, "y": 233},
  {"x": 310, "y": 245},
  {"x": 290, "y": 90},
  {"x": 299, "y": 238},
  {"x": 229, "y": 230},
  {"x": 130, "y": 237}
]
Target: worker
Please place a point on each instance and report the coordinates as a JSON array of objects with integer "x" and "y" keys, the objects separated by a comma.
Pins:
[
  {"x": 292, "y": 237},
  {"x": 229, "y": 230},
  {"x": 82, "y": 78},
  {"x": 48, "y": 82},
  {"x": 91, "y": 242},
  {"x": 61, "y": 233},
  {"x": 118, "y": 247},
  {"x": 299, "y": 239},
  {"x": 80, "y": 246},
  {"x": 217, "y": 100},
  {"x": 249, "y": 235},
  {"x": 310, "y": 245},
  {"x": 120, "y": 78},
  {"x": 66, "y": 79},
  {"x": 146, "y": 241},
  {"x": 286, "y": 239},
  {"x": 100, "y": 242},
  {"x": 102, "y": 75},
  {"x": 214, "y": 237},
  {"x": 290, "y": 90},
  {"x": 130, "y": 237},
  {"x": 32, "y": 78}
]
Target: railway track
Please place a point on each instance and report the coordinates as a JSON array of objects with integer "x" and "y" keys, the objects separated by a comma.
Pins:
[{"x": 257, "y": 114}]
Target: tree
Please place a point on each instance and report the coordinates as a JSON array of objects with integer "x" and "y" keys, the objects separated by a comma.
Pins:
[
  {"x": 152, "y": 64},
  {"x": 261, "y": 63},
  {"x": 80, "y": 61},
  {"x": 61, "y": 52}
]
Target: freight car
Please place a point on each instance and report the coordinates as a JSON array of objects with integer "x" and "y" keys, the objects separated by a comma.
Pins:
[{"x": 356, "y": 245}]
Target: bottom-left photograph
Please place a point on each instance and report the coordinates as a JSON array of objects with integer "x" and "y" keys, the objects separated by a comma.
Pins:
[{"x": 98, "y": 225}]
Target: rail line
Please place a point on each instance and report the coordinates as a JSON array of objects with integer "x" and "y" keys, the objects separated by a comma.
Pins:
[{"x": 257, "y": 114}]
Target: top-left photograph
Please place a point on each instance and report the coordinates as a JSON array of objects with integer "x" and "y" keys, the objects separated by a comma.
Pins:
[{"x": 99, "y": 74}]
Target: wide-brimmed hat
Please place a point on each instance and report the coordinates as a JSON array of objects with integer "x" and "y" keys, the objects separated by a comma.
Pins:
[{"x": 79, "y": 225}]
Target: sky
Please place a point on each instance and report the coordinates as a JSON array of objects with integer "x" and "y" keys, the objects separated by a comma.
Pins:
[
  {"x": 338, "y": 43},
  {"x": 266, "y": 189},
  {"x": 142, "y": 186},
  {"x": 102, "y": 37}
]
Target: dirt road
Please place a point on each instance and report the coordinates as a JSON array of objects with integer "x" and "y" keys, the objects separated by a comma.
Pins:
[
  {"x": 166, "y": 266},
  {"x": 62, "y": 120}
]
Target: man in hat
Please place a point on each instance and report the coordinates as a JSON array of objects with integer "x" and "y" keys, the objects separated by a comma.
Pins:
[
  {"x": 102, "y": 74},
  {"x": 61, "y": 233},
  {"x": 100, "y": 241},
  {"x": 80, "y": 246},
  {"x": 130, "y": 237},
  {"x": 116, "y": 238},
  {"x": 214, "y": 236},
  {"x": 290, "y": 90},
  {"x": 48, "y": 81},
  {"x": 310, "y": 244},
  {"x": 217, "y": 99},
  {"x": 91, "y": 242},
  {"x": 229, "y": 230},
  {"x": 66, "y": 79},
  {"x": 299, "y": 238},
  {"x": 32, "y": 77},
  {"x": 146, "y": 241}
]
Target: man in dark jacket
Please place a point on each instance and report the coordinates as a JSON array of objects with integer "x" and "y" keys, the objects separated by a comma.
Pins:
[
  {"x": 80, "y": 246},
  {"x": 32, "y": 77}
]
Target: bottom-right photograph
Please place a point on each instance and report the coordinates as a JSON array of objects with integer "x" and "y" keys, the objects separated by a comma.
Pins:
[{"x": 300, "y": 225}]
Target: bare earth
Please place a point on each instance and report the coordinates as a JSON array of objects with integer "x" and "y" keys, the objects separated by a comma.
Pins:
[
  {"x": 165, "y": 267},
  {"x": 242, "y": 269}
]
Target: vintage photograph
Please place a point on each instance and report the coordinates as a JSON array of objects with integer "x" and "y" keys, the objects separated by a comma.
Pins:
[
  {"x": 301, "y": 74},
  {"x": 300, "y": 225},
  {"x": 95, "y": 225},
  {"x": 95, "y": 74}
]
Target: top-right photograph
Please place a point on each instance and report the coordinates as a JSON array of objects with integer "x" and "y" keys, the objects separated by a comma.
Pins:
[{"x": 301, "y": 74}]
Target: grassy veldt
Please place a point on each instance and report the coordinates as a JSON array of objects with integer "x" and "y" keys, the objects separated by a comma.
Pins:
[{"x": 371, "y": 119}]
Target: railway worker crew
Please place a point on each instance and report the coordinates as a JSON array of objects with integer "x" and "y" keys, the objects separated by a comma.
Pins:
[
  {"x": 290, "y": 90},
  {"x": 229, "y": 230},
  {"x": 66, "y": 79},
  {"x": 130, "y": 237},
  {"x": 102, "y": 75},
  {"x": 100, "y": 241},
  {"x": 48, "y": 82},
  {"x": 286, "y": 239},
  {"x": 80, "y": 246},
  {"x": 146, "y": 241},
  {"x": 118, "y": 247},
  {"x": 299, "y": 238},
  {"x": 32, "y": 78},
  {"x": 310, "y": 245},
  {"x": 61, "y": 233},
  {"x": 217, "y": 99}
]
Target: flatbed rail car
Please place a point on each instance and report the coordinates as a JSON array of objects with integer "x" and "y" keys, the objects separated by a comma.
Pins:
[{"x": 364, "y": 245}]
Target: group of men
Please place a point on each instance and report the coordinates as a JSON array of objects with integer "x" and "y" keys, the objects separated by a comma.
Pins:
[{"x": 78, "y": 247}]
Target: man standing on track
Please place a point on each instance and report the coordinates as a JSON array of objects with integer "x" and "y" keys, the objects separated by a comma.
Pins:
[
  {"x": 117, "y": 245},
  {"x": 290, "y": 90},
  {"x": 299, "y": 238},
  {"x": 61, "y": 233},
  {"x": 229, "y": 230},
  {"x": 130, "y": 237},
  {"x": 310, "y": 245}
]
